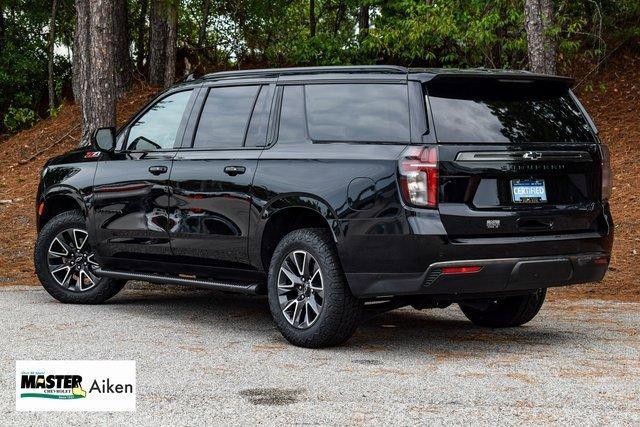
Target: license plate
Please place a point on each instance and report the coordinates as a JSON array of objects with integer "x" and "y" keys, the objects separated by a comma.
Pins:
[{"x": 528, "y": 191}]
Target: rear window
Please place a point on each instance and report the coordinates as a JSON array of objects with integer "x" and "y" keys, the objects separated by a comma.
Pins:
[
  {"x": 357, "y": 112},
  {"x": 492, "y": 111}
]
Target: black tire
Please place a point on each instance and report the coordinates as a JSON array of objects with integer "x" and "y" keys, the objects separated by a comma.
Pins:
[
  {"x": 103, "y": 289},
  {"x": 507, "y": 312},
  {"x": 340, "y": 310}
]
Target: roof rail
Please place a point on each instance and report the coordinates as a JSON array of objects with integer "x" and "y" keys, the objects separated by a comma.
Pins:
[{"x": 309, "y": 70}]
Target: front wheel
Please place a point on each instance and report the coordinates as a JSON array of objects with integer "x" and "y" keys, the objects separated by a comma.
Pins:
[
  {"x": 505, "y": 312},
  {"x": 65, "y": 263},
  {"x": 309, "y": 298}
]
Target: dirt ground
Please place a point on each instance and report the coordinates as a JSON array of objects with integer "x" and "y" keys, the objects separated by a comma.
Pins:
[{"x": 612, "y": 96}]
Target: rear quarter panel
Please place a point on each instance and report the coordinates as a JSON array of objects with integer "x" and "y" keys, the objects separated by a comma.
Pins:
[{"x": 346, "y": 183}]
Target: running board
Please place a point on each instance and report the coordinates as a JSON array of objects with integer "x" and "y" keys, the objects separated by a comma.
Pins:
[{"x": 243, "y": 288}]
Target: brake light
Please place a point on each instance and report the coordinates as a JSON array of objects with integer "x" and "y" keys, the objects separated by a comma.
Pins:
[
  {"x": 419, "y": 176},
  {"x": 607, "y": 178},
  {"x": 462, "y": 269}
]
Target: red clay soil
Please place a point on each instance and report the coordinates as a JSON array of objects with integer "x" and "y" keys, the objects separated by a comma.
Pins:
[
  {"x": 614, "y": 104},
  {"x": 615, "y": 108},
  {"x": 21, "y": 159}
]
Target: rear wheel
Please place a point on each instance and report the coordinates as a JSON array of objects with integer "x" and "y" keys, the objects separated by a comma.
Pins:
[
  {"x": 505, "y": 312},
  {"x": 65, "y": 262},
  {"x": 309, "y": 298}
]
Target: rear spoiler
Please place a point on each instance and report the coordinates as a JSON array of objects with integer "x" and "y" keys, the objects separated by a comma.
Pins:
[{"x": 427, "y": 75}]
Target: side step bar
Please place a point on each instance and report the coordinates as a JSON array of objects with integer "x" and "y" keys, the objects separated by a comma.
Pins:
[{"x": 243, "y": 288}]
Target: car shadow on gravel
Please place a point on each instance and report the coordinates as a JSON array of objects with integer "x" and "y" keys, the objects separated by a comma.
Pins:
[{"x": 436, "y": 331}]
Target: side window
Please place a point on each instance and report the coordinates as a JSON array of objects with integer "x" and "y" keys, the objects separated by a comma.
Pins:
[
  {"x": 158, "y": 127},
  {"x": 360, "y": 112},
  {"x": 292, "y": 120},
  {"x": 225, "y": 116},
  {"x": 257, "y": 132}
]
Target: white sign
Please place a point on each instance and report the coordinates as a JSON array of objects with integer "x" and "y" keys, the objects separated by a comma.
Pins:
[{"x": 75, "y": 385}]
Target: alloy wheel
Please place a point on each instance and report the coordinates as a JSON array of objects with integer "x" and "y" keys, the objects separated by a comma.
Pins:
[
  {"x": 71, "y": 260},
  {"x": 300, "y": 289}
]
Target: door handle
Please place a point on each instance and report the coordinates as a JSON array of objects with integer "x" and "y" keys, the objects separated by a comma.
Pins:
[
  {"x": 235, "y": 170},
  {"x": 158, "y": 170}
]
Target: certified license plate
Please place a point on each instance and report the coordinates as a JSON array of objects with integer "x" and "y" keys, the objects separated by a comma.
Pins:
[{"x": 528, "y": 191}]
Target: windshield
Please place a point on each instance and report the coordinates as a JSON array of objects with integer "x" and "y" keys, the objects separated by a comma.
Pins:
[{"x": 496, "y": 111}]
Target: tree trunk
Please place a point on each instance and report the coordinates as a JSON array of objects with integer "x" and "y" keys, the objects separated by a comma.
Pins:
[
  {"x": 52, "y": 39},
  {"x": 363, "y": 21},
  {"x": 102, "y": 77},
  {"x": 339, "y": 16},
  {"x": 122, "y": 55},
  {"x": 312, "y": 18},
  {"x": 157, "y": 42},
  {"x": 171, "y": 49},
  {"x": 538, "y": 21},
  {"x": 2, "y": 28},
  {"x": 81, "y": 66},
  {"x": 141, "y": 26},
  {"x": 206, "y": 11}
]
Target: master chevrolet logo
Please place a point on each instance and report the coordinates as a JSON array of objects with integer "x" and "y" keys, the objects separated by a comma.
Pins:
[
  {"x": 52, "y": 386},
  {"x": 94, "y": 385}
]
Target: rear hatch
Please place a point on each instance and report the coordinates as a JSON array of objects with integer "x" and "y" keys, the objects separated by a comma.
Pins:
[{"x": 516, "y": 157}]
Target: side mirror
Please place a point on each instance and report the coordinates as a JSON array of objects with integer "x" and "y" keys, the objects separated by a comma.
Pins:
[{"x": 104, "y": 139}]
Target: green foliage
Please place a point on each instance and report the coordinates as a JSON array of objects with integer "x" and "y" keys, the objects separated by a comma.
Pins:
[
  {"x": 270, "y": 33},
  {"x": 23, "y": 60},
  {"x": 16, "y": 119},
  {"x": 460, "y": 33}
]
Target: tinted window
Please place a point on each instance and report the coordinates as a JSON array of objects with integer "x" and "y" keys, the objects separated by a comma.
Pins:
[
  {"x": 225, "y": 115},
  {"x": 358, "y": 112},
  {"x": 158, "y": 127},
  {"x": 257, "y": 132},
  {"x": 292, "y": 123},
  {"x": 502, "y": 112}
]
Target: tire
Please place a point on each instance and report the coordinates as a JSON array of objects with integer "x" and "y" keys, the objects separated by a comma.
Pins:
[
  {"x": 339, "y": 310},
  {"x": 507, "y": 312},
  {"x": 83, "y": 288}
]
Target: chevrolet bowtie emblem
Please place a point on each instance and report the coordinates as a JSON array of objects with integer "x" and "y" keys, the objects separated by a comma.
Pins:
[{"x": 532, "y": 155}]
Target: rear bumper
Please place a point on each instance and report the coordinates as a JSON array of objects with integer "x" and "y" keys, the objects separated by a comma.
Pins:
[
  {"x": 495, "y": 276},
  {"x": 402, "y": 255}
]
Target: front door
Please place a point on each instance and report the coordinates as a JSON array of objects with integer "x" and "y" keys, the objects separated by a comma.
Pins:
[
  {"x": 131, "y": 192},
  {"x": 212, "y": 177}
]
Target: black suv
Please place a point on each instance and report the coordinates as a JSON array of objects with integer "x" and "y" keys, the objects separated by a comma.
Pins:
[{"x": 338, "y": 191}]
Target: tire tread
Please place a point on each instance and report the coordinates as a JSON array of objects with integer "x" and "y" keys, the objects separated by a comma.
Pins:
[
  {"x": 341, "y": 310},
  {"x": 511, "y": 312},
  {"x": 106, "y": 288}
]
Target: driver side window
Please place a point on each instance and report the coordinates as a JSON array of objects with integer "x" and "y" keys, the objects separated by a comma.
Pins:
[{"x": 158, "y": 127}]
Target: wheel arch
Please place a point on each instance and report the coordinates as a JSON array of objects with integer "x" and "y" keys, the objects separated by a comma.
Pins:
[
  {"x": 57, "y": 201},
  {"x": 286, "y": 214}
]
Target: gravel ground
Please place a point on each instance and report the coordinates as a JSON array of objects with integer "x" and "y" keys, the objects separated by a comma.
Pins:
[{"x": 211, "y": 358}]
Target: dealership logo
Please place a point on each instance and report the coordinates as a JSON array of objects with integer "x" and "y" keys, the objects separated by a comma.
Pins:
[
  {"x": 52, "y": 386},
  {"x": 75, "y": 385}
]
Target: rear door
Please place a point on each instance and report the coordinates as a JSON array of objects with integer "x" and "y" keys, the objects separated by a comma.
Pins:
[
  {"x": 212, "y": 176},
  {"x": 517, "y": 157}
]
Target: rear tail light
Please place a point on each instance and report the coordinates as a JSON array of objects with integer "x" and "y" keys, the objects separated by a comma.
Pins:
[
  {"x": 607, "y": 178},
  {"x": 419, "y": 176}
]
